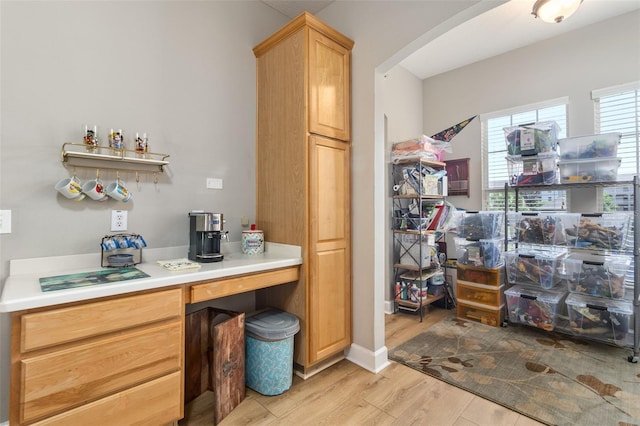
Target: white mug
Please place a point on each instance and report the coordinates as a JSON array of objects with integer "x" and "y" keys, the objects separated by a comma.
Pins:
[
  {"x": 71, "y": 188},
  {"x": 95, "y": 190},
  {"x": 118, "y": 191}
]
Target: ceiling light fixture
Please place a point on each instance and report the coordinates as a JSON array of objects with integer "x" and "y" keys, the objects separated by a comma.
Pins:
[{"x": 555, "y": 10}]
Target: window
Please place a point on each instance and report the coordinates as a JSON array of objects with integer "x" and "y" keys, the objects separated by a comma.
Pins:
[
  {"x": 495, "y": 167},
  {"x": 617, "y": 109}
]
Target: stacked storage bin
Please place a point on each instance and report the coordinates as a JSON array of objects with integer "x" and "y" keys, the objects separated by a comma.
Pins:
[
  {"x": 480, "y": 266},
  {"x": 537, "y": 295},
  {"x": 591, "y": 158},
  {"x": 566, "y": 275},
  {"x": 598, "y": 306},
  {"x": 532, "y": 158}
]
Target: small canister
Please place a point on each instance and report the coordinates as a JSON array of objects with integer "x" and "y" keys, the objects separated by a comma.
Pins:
[{"x": 252, "y": 241}]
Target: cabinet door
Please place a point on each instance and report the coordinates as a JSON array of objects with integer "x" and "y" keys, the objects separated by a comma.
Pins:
[
  {"x": 329, "y": 87},
  {"x": 330, "y": 248}
]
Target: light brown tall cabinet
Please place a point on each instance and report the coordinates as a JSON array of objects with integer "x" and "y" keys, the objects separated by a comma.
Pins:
[{"x": 303, "y": 178}]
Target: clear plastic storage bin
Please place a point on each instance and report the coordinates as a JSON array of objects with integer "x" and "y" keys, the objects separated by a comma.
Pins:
[
  {"x": 532, "y": 138},
  {"x": 480, "y": 225},
  {"x": 592, "y": 170},
  {"x": 485, "y": 252},
  {"x": 540, "y": 169},
  {"x": 601, "y": 319},
  {"x": 600, "y": 231},
  {"x": 539, "y": 268},
  {"x": 534, "y": 307},
  {"x": 544, "y": 228},
  {"x": 589, "y": 146},
  {"x": 596, "y": 275}
]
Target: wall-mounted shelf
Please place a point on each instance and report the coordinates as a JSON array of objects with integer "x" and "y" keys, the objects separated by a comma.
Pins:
[{"x": 102, "y": 157}]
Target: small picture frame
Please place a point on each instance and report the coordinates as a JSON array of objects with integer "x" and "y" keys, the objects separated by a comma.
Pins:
[{"x": 458, "y": 176}]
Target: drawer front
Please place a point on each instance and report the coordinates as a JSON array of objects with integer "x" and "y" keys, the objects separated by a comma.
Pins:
[
  {"x": 48, "y": 328},
  {"x": 480, "y": 313},
  {"x": 492, "y": 296},
  {"x": 71, "y": 377},
  {"x": 227, "y": 287},
  {"x": 480, "y": 275},
  {"x": 154, "y": 403}
]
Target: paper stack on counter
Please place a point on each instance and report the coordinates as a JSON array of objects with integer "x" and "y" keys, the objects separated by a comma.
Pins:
[{"x": 178, "y": 264}]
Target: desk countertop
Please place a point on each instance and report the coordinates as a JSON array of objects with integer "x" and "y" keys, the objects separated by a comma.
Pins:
[{"x": 22, "y": 287}]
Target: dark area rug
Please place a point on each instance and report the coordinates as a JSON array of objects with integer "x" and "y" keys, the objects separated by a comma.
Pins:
[{"x": 550, "y": 377}]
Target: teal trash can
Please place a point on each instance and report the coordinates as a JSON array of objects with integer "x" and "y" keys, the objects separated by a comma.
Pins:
[{"x": 269, "y": 351}]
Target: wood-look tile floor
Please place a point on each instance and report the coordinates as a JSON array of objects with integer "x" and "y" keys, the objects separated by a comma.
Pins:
[{"x": 346, "y": 394}]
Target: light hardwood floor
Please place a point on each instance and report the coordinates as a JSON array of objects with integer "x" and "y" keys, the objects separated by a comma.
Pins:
[{"x": 346, "y": 394}]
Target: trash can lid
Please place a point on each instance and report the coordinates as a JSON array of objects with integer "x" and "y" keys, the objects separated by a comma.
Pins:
[{"x": 272, "y": 324}]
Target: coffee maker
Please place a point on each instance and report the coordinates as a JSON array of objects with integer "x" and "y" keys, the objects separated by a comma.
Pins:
[{"x": 205, "y": 232}]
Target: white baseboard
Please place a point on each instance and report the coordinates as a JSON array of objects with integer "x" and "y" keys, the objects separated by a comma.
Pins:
[
  {"x": 318, "y": 367},
  {"x": 5, "y": 423},
  {"x": 388, "y": 307},
  {"x": 372, "y": 361}
]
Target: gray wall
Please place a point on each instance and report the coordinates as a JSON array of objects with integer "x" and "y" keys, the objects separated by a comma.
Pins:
[{"x": 184, "y": 72}]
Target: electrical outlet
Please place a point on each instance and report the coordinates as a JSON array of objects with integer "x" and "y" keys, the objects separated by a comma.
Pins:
[{"x": 118, "y": 220}]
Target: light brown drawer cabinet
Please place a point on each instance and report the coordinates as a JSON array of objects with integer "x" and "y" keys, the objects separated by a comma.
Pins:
[
  {"x": 303, "y": 184},
  {"x": 74, "y": 364}
]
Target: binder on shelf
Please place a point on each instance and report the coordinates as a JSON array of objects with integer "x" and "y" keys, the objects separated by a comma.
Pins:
[{"x": 438, "y": 216}]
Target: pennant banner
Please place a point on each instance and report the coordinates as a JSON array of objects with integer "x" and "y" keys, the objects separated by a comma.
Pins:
[{"x": 448, "y": 134}]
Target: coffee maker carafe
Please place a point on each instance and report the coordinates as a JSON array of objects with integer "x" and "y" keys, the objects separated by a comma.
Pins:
[{"x": 205, "y": 232}]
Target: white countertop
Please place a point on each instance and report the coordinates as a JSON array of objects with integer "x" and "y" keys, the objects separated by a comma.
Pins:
[{"x": 22, "y": 287}]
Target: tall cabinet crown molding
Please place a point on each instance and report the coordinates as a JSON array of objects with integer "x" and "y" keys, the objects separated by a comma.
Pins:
[{"x": 303, "y": 183}]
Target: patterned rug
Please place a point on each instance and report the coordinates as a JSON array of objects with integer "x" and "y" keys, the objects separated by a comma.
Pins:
[{"x": 550, "y": 377}]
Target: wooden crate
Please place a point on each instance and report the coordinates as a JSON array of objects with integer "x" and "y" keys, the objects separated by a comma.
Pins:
[
  {"x": 214, "y": 358},
  {"x": 480, "y": 313}
]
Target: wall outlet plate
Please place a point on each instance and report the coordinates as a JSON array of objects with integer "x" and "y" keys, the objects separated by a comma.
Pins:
[{"x": 118, "y": 220}]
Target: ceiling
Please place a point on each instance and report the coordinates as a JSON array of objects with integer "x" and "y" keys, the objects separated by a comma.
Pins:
[
  {"x": 512, "y": 26},
  {"x": 293, "y": 8}
]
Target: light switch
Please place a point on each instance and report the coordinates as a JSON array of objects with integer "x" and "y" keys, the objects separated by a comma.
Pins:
[{"x": 214, "y": 183}]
